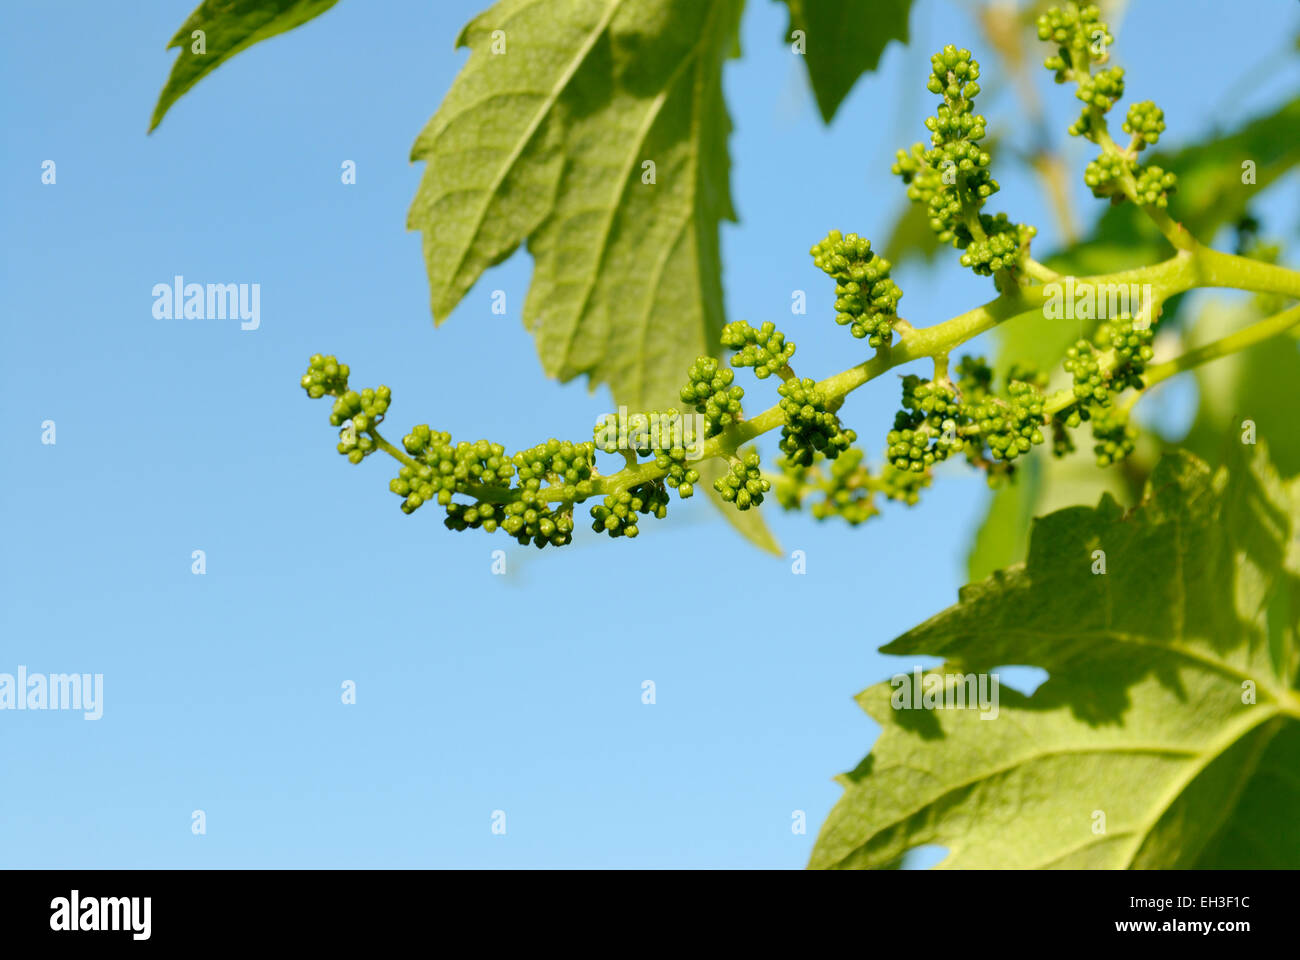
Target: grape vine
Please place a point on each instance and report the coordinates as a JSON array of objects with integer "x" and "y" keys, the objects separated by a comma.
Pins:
[{"x": 965, "y": 409}]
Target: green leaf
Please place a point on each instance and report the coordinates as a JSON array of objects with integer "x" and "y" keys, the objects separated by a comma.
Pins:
[
  {"x": 843, "y": 39},
  {"x": 547, "y": 139},
  {"x": 1043, "y": 483},
  {"x": 228, "y": 26},
  {"x": 1142, "y": 719}
]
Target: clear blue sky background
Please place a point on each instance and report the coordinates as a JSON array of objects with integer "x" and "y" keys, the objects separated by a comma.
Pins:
[{"x": 476, "y": 692}]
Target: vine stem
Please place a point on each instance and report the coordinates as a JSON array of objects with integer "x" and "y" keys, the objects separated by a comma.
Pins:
[
  {"x": 391, "y": 450},
  {"x": 1277, "y": 324},
  {"x": 1191, "y": 268},
  {"x": 1040, "y": 272},
  {"x": 1233, "y": 343}
]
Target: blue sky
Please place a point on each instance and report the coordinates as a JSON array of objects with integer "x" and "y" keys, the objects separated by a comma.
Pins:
[{"x": 475, "y": 692}]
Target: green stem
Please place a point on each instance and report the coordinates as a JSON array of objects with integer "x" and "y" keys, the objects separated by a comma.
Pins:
[
  {"x": 1188, "y": 269},
  {"x": 1218, "y": 269},
  {"x": 1233, "y": 343},
  {"x": 392, "y": 451},
  {"x": 940, "y": 367},
  {"x": 1225, "y": 346},
  {"x": 1099, "y": 133},
  {"x": 1040, "y": 272}
]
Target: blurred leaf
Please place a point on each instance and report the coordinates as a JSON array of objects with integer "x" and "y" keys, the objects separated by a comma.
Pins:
[
  {"x": 1142, "y": 717},
  {"x": 548, "y": 140},
  {"x": 228, "y": 26},
  {"x": 1260, "y": 384},
  {"x": 843, "y": 40},
  {"x": 911, "y": 236}
]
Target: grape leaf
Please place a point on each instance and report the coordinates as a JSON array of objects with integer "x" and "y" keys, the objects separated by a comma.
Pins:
[
  {"x": 842, "y": 40},
  {"x": 547, "y": 135},
  {"x": 1138, "y": 750},
  {"x": 1043, "y": 483},
  {"x": 229, "y": 26}
]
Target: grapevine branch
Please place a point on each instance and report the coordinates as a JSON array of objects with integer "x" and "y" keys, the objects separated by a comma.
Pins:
[
  {"x": 1192, "y": 268},
  {"x": 532, "y": 494}
]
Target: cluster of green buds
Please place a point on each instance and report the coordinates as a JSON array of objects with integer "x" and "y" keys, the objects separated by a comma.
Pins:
[
  {"x": 1145, "y": 122},
  {"x": 844, "y": 488},
  {"x": 1080, "y": 36},
  {"x": 942, "y": 417},
  {"x": 712, "y": 392},
  {"x": 847, "y": 491},
  {"x": 743, "y": 484},
  {"x": 925, "y": 429},
  {"x": 354, "y": 413},
  {"x": 810, "y": 426},
  {"x": 617, "y": 516},
  {"x": 1114, "y": 437},
  {"x": 1082, "y": 40},
  {"x": 866, "y": 298},
  {"x": 953, "y": 179},
  {"x": 667, "y": 438},
  {"x": 1011, "y": 427},
  {"x": 764, "y": 349},
  {"x": 529, "y": 495},
  {"x": 1101, "y": 368}
]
